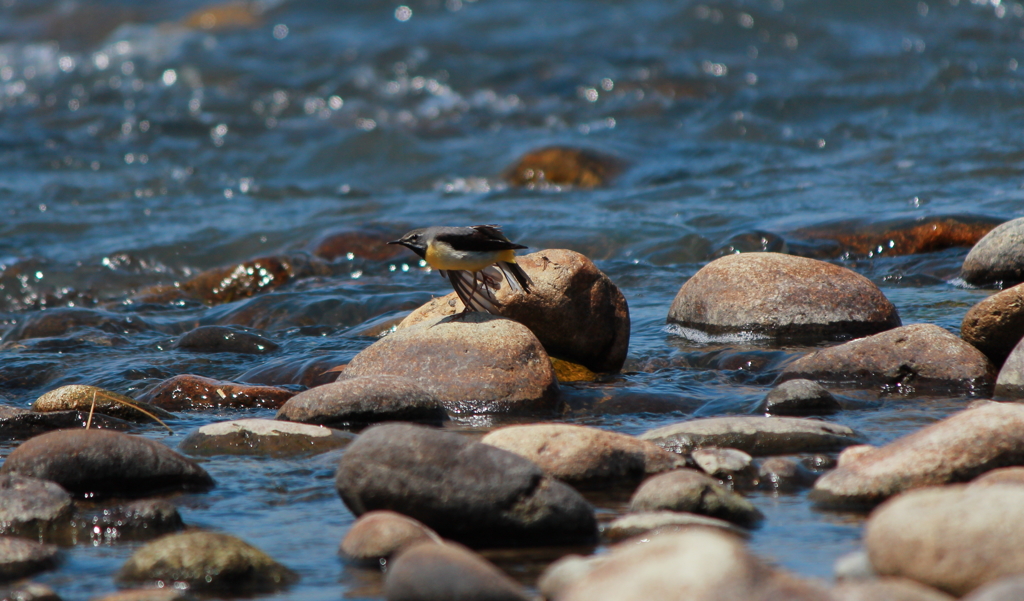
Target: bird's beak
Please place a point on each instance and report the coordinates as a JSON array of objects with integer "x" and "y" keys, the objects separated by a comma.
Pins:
[{"x": 395, "y": 242}]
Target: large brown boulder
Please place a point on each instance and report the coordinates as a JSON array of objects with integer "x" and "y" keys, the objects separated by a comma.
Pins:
[
  {"x": 996, "y": 324},
  {"x": 783, "y": 297}
]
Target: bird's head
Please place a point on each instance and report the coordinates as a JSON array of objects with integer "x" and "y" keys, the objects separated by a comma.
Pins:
[{"x": 416, "y": 241}]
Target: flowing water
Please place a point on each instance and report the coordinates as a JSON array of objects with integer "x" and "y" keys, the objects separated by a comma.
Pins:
[{"x": 142, "y": 143}]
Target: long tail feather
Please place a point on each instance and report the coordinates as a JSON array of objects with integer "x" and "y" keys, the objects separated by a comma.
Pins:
[{"x": 515, "y": 276}]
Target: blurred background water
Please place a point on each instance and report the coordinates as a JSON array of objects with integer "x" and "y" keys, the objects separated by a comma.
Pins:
[{"x": 143, "y": 143}]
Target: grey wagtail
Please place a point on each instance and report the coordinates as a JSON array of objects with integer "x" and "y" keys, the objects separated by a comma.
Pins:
[{"x": 462, "y": 254}]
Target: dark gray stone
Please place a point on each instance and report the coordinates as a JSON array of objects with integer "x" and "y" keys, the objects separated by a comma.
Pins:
[
  {"x": 754, "y": 435},
  {"x": 30, "y": 506},
  {"x": 691, "y": 491},
  {"x": 21, "y": 557},
  {"x": 363, "y": 400},
  {"x": 800, "y": 397},
  {"x": 447, "y": 572},
  {"x": 998, "y": 257}
]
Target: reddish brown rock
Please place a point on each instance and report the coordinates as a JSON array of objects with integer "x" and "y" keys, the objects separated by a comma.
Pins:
[
  {"x": 474, "y": 363},
  {"x": 196, "y": 393},
  {"x": 996, "y": 324},
  {"x": 998, "y": 257},
  {"x": 894, "y": 237},
  {"x": 781, "y": 296},
  {"x": 305, "y": 371},
  {"x": 366, "y": 243},
  {"x": 561, "y": 166},
  {"x": 267, "y": 437},
  {"x": 955, "y": 449},
  {"x": 227, "y": 15},
  {"x": 85, "y": 398},
  {"x": 581, "y": 454},
  {"x": 383, "y": 533},
  {"x": 575, "y": 311},
  {"x": 906, "y": 358},
  {"x": 363, "y": 400}
]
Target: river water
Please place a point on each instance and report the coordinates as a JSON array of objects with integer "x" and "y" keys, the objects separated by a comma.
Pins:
[{"x": 142, "y": 143}]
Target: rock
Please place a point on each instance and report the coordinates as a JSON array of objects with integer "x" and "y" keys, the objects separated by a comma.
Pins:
[
  {"x": 1004, "y": 475},
  {"x": 1010, "y": 382},
  {"x": 367, "y": 242},
  {"x": 907, "y": 358},
  {"x": 378, "y": 534},
  {"x": 445, "y": 572},
  {"x": 697, "y": 564},
  {"x": 30, "y": 506},
  {"x": 997, "y": 258},
  {"x": 29, "y": 423},
  {"x": 754, "y": 435},
  {"x": 1010, "y": 588},
  {"x": 105, "y": 463},
  {"x": 224, "y": 339},
  {"x": 224, "y": 16},
  {"x": 81, "y": 398},
  {"x": 7, "y": 411},
  {"x": 21, "y": 557},
  {"x": 567, "y": 371},
  {"x": 854, "y": 565},
  {"x": 635, "y": 524},
  {"x": 303, "y": 371},
  {"x": 206, "y": 561},
  {"x": 575, "y": 311},
  {"x": 28, "y": 591},
  {"x": 226, "y": 284},
  {"x": 887, "y": 589},
  {"x": 954, "y": 538},
  {"x": 263, "y": 437},
  {"x": 561, "y": 166},
  {"x": 475, "y": 363},
  {"x": 59, "y": 321},
  {"x": 955, "y": 449},
  {"x": 869, "y": 238},
  {"x": 144, "y": 519},
  {"x": 188, "y": 392},
  {"x": 580, "y": 454},
  {"x": 465, "y": 490},
  {"x": 995, "y": 325},
  {"x": 564, "y": 572},
  {"x": 363, "y": 400},
  {"x": 691, "y": 491},
  {"x": 784, "y": 474},
  {"x": 148, "y": 594},
  {"x": 799, "y": 397},
  {"x": 729, "y": 465},
  {"x": 783, "y": 297}
]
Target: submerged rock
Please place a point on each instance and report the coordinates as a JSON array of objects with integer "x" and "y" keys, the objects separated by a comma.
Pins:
[
  {"x": 754, "y": 435},
  {"x": 473, "y": 363},
  {"x": 955, "y": 449},
  {"x": 995, "y": 325},
  {"x": 367, "y": 242},
  {"x": 59, "y": 321},
  {"x": 269, "y": 437},
  {"x": 446, "y": 572},
  {"x": 106, "y": 464},
  {"x": 206, "y": 561},
  {"x": 563, "y": 166},
  {"x": 304, "y": 371},
  {"x": 465, "y": 490},
  {"x": 800, "y": 397},
  {"x": 224, "y": 339},
  {"x": 27, "y": 424},
  {"x": 573, "y": 308},
  {"x": 954, "y": 538},
  {"x": 133, "y": 521},
  {"x": 910, "y": 358},
  {"x": 691, "y": 491},
  {"x": 84, "y": 398},
  {"x": 30, "y": 506},
  {"x": 581, "y": 454},
  {"x": 896, "y": 237},
  {"x": 195, "y": 393},
  {"x": 21, "y": 557},
  {"x": 783, "y": 297},
  {"x": 383, "y": 533},
  {"x": 363, "y": 400},
  {"x": 997, "y": 258}
]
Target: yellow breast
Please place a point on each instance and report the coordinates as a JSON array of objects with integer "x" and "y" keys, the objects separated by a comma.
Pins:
[{"x": 440, "y": 255}]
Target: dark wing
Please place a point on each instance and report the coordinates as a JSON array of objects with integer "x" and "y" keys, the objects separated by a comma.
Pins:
[
  {"x": 477, "y": 237},
  {"x": 515, "y": 276}
]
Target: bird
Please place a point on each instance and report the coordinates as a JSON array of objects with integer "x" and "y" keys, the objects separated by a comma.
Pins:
[{"x": 465, "y": 256}]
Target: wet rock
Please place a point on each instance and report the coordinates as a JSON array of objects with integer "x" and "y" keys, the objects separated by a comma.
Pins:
[
  {"x": 1010, "y": 588},
  {"x": 907, "y": 358},
  {"x": 304, "y": 371},
  {"x": 369, "y": 243},
  {"x": 887, "y": 589},
  {"x": 697, "y": 564},
  {"x": 268, "y": 437},
  {"x": 575, "y": 311},
  {"x": 896, "y": 237},
  {"x": 691, "y": 491},
  {"x": 800, "y": 397},
  {"x": 562, "y": 166},
  {"x": 475, "y": 363},
  {"x": 206, "y": 561},
  {"x": 29, "y": 423},
  {"x": 728, "y": 465},
  {"x": 1004, "y": 475},
  {"x": 363, "y": 400},
  {"x": 28, "y": 591},
  {"x": 188, "y": 392},
  {"x": 83, "y": 398},
  {"x": 224, "y": 339},
  {"x": 754, "y": 435},
  {"x": 954, "y": 538},
  {"x": 567, "y": 371},
  {"x": 21, "y": 557},
  {"x": 997, "y": 258},
  {"x": 442, "y": 572},
  {"x": 750, "y": 242},
  {"x": 783, "y": 297},
  {"x": 105, "y": 463},
  {"x": 57, "y": 322},
  {"x": 30, "y": 506},
  {"x": 1010, "y": 381},
  {"x": 581, "y": 454},
  {"x": 784, "y": 474},
  {"x": 383, "y": 533},
  {"x": 144, "y": 519},
  {"x": 955, "y": 449},
  {"x": 465, "y": 490},
  {"x": 7, "y": 411},
  {"x": 995, "y": 325},
  {"x": 642, "y": 522},
  {"x": 226, "y": 284},
  {"x": 148, "y": 594},
  {"x": 619, "y": 401}
]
